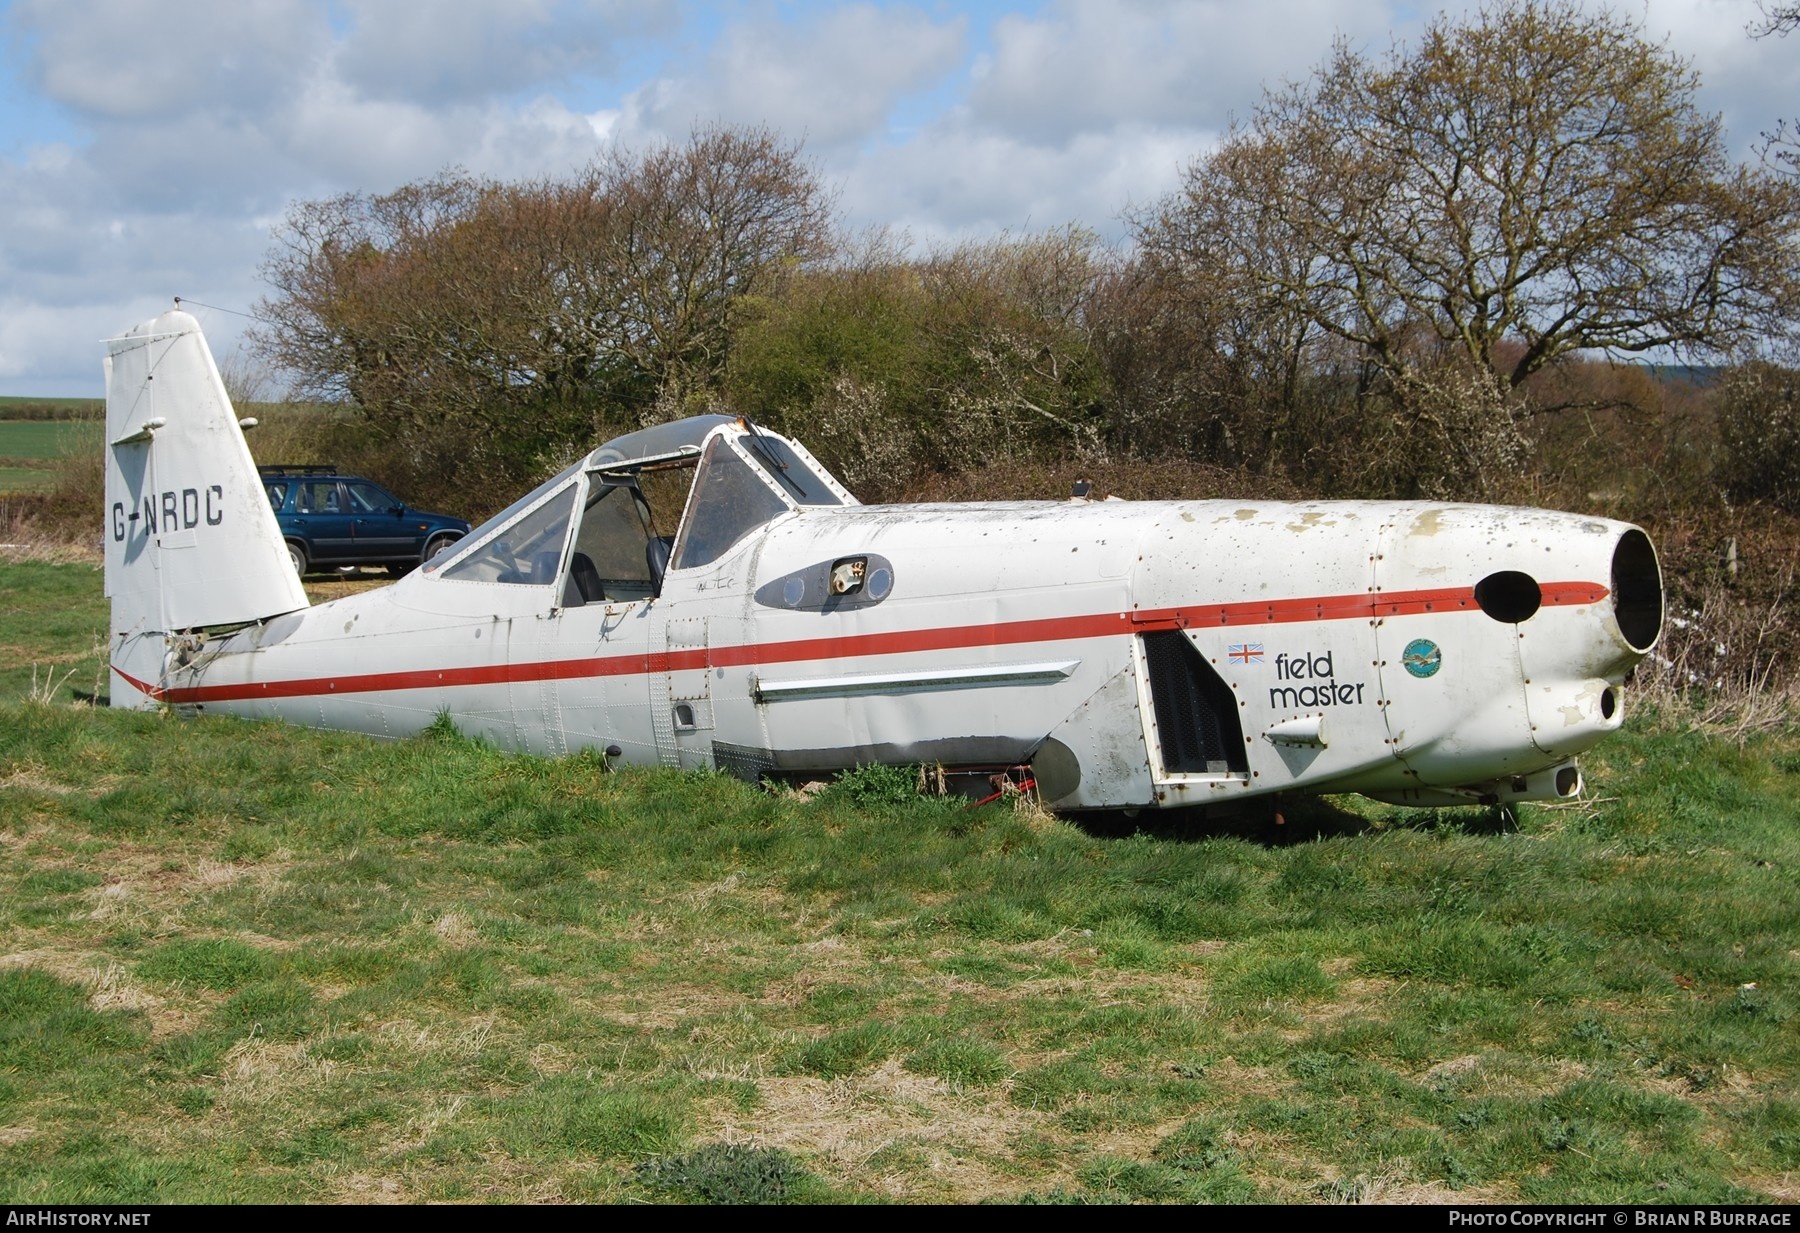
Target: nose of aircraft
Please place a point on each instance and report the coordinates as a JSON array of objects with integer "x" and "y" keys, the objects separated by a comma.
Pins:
[
  {"x": 1571, "y": 605},
  {"x": 1574, "y": 670}
]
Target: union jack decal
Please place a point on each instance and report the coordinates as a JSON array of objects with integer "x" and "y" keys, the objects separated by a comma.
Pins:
[{"x": 1244, "y": 652}]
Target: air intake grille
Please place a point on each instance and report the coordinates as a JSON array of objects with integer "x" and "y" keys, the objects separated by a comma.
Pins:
[{"x": 1196, "y": 714}]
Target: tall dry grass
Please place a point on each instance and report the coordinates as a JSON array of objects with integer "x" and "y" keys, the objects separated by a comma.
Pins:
[
  {"x": 1724, "y": 662},
  {"x": 61, "y": 523}
]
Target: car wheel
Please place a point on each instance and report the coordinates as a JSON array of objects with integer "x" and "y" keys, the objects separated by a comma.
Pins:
[
  {"x": 297, "y": 555},
  {"x": 437, "y": 544}
]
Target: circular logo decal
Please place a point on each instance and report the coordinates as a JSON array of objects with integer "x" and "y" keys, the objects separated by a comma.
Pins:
[{"x": 1422, "y": 657}]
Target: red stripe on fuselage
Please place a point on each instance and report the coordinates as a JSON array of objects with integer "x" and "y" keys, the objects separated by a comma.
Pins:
[{"x": 1369, "y": 606}]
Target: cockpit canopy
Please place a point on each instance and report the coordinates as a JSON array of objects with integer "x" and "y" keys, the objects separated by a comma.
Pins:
[
  {"x": 594, "y": 527},
  {"x": 658, "y": 443}
]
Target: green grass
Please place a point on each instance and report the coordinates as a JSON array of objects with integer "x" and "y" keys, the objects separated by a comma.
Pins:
[
  {"x": 252, "y": 963},
  {"x": 52, "y": 629},
  {"x": 31, "y": 449},
  {"x": 25, "y": 479},
  {"x": 45, "y": 440}
]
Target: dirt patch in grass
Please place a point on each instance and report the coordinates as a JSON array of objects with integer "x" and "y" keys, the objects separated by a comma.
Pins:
[
  {"x": 110, "y": 987},
  {"x": 1246, "y": 1081},
  {"x": 42, "y": 659},
  {"x": 35, "y": 777},
  {"x": 46, "y": 551},
  {"x": 452, "y": 1040},
  {"x": 260, "y": 1072},
  {"x": 361, "y": 1187},
  {"x": 1358, "y": 998},
  {"x": 1396, "y": 1189},
  {"x": 1783, "y": 1189},
  {"x": 151, "y": 886},
  {"x": 888, "y": 1131},
  {"x": 830, "y": 961},
  {"x": 1445, "y": 1072},
  {"x": 665, "y": 1007},
  {"x": 505, "y": 1179},
  {"x": 455, "y": 931},
  {"x": 1506, "y": 1075},
  {"x": 324, "y": 590}
]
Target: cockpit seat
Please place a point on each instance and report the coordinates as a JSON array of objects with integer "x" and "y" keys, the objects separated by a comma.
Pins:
[
  {"x": 656, "y": 556},
  {"x": 583, "y": 585}
]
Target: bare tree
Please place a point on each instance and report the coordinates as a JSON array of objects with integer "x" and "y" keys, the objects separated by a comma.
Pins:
[
  {"x": 1540, "y": 174},
  {"x": 1777, "y": 19},
  {"x": 1782, "y": 145},
  {"x": 694, "y": 231},
  {"x": 1206, "y": 357},
  {"x": 502, "y": 325}
]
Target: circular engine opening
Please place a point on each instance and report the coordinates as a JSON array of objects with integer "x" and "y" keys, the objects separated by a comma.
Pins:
[
  {"x": 1609, "y": 704},
  {"x": 1568, "y": 781},
  {"x": 1509, "y": 596},
  {"x": 1637, "y": 590}
]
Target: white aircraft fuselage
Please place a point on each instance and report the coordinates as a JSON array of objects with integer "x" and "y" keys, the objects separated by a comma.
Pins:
[{"x": 1131, "y": 655}]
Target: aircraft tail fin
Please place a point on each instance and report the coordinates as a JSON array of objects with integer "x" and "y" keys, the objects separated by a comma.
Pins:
[{"x": 191, "y": 542}]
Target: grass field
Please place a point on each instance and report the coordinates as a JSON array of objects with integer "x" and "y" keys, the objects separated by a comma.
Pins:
[
  {"x": 24, "y": 479},
  {"x": 45, "y": 440},
  {"x": 247, "y": 962},
  {"x": 30, "y": 450}
]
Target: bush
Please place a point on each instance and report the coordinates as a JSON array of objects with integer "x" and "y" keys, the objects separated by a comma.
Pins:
[
  {"x": 725, "y": 1173},
  {"x": 875, "y": 787},
  {"x": 1760, "y": 430}
]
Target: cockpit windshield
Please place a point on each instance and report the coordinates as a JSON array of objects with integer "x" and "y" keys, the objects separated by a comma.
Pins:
[
  {"x": 476, "y": 541},
  {"x": 794, "y": 475},
  {"x": 729, "y": 501},
  {"x": 743, "y": 478}
]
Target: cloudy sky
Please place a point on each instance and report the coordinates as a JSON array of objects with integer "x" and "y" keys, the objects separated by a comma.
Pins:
[{"x": 147, "y": 147}]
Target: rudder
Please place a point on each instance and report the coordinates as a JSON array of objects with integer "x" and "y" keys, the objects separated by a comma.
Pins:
[{"x": 191, "y": 542}]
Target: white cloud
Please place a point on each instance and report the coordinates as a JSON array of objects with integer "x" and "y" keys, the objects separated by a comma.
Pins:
[
  {"x": 183, "y": 129},
  {"x": 52, "y": 319},
  {"x": 134, "y": 59},
  {"x": 954, "y": 182},
  {"x": 832, "y": 82},
  {"x": 454, "y": 53},
  {"x": 375, "y": 144},
  {"x": 1084, "y": 66}
]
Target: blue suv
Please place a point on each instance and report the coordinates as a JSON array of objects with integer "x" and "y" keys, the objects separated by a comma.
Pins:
[{"x": 334, "y": 520}]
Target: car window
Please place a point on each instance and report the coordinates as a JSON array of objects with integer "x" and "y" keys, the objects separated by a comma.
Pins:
[
  {"x": 277, "y": 495},
  {"x": 528, "y": 552},
  {"x": 318, "y": 497},
  {"x": 365, "y": 498},
  {"x": 729, "y": 501}
]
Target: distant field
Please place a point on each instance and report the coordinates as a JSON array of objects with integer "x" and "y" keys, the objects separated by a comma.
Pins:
[
  {"x": 30, "y": 450},
  {"x": 17, "y": 408},
  {"x": 45, "y": 439},
  {"x": 25, "y": 479},
  {"x": 37, "y": 433}
]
